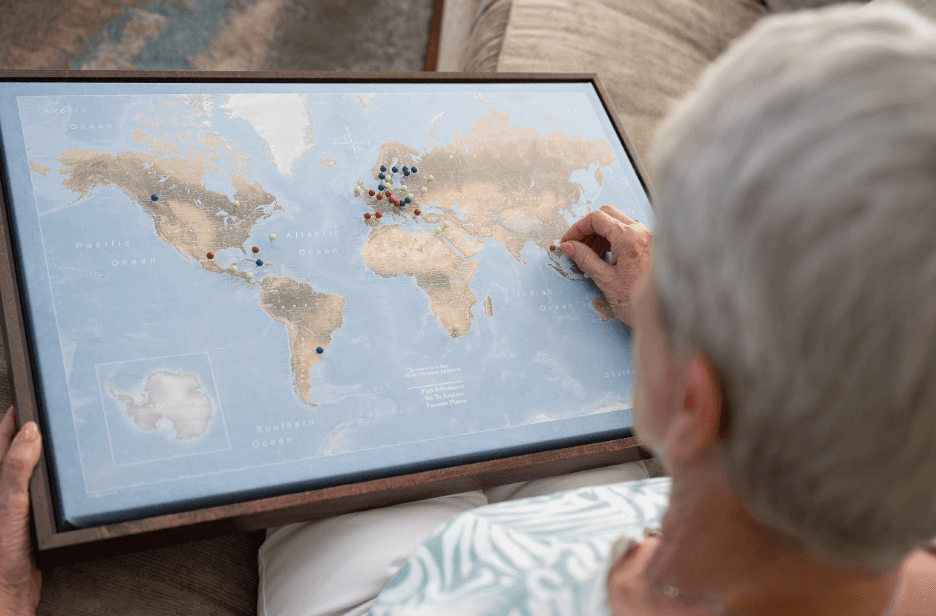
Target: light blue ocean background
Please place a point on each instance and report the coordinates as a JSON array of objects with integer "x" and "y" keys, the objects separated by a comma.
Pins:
[{"x": 537, "y": 373}]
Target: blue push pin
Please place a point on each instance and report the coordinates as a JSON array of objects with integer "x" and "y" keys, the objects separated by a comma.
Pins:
[
  {"x": 413, "y": 169},
  {"x": 154, "y": 197},
  {"x": 319, "y": 350},
  {"x": 382, "y": 175},
  {"x": 259, "y": 262},
  {"x": 380, "y": 187},
  {"x": 394, "y": 169},
  {"x": 383, "y": 167}
]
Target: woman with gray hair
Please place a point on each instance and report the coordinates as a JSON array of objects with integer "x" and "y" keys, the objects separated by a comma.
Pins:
[
  {"x": 785, "y": 339},
  {"x": 786, "y": 335}
]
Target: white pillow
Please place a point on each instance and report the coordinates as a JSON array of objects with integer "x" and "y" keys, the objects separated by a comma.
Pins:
[{"x": 338, "y": 566}]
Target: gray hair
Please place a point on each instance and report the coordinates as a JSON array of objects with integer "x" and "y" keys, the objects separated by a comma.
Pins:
[{"x": 795, "y": 245}]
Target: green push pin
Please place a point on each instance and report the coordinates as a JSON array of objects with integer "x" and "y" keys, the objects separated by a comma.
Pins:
[
  {"x": 233, "y": 268},
  {"x": 423, "y": 189},
  {"x": 249, "y": 275},
  {"x": 445, "y": 224},
  {"x": 454, "y": 328},
  {"x": 438, "y": 230},
  {"x": 272, "y": 236}
]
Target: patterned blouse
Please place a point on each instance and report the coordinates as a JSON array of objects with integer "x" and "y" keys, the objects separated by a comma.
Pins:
[{"x": 545, "y": 555}]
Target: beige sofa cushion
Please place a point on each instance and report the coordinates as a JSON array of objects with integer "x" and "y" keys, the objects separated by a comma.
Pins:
[
  {"x": 647, "y": 53},
  {"x": 926, "y": 8},
  {"x": 472, "y": 34}
]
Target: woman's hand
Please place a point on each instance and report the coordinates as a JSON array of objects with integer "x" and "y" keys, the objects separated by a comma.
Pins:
[
  {"x": 628, "y": 241},
  {"x": 19, "y": 580}
]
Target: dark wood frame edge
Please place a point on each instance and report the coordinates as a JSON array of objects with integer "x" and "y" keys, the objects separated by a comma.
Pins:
[
  {"x": 435, "y": 37},
  {"x": 61, "y": 547}
]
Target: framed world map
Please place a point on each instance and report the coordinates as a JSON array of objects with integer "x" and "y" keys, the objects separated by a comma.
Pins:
[{"x": 233, "y": 301}]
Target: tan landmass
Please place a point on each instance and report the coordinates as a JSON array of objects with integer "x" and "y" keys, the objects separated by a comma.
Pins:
[
  {"x": 574, "y": 272},
  {"x": 147, "y": 122},
  {"x": 441, "y": 273},
  {"x": 172, "y": 395},
  {"x": 467, "y": 246},
  {"x": 160, "y": 147},
  {"x": 366, "y": 101},
  {"x": 36, "y": 167},
  {"x": 328, "y": 162},
  {"x": 214, "y": 141},
  {"x": 488, "y": 309},
  {"x": 602, "y": 307},
  {"x": 310, "y": 318},
  {"x": 186, "y": 216},
  {"x": 511, "y": 183},
  {"x": 200, "y": 104}
]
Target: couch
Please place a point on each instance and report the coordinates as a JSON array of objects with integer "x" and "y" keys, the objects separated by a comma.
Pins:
[{"x": 648, "y": 53}]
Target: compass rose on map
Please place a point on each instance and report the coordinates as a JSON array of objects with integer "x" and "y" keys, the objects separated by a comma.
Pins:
[{"x": 351, "y": 143}]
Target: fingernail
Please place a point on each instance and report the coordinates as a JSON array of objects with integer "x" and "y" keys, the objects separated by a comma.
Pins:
[
  {"x": 29, "y": 433},
  {"x": 566, "y": 248}
]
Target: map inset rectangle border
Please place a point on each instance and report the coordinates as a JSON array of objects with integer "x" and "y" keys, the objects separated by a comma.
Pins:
[
  {"x": 212, "y": 393},
  {"x": 57, "y": 543}
]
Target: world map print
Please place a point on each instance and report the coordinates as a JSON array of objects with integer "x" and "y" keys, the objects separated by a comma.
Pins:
[{"x": 259, "y": 290}]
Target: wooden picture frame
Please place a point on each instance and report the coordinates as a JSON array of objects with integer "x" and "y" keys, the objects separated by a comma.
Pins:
[{"x": 55, "y": 546}]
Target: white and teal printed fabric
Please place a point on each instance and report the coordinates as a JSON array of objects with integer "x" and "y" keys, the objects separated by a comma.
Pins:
[{"x": 536, "y": 556}]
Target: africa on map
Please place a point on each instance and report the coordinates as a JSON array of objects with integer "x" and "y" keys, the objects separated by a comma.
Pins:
[{"x": 226, "y": 308}]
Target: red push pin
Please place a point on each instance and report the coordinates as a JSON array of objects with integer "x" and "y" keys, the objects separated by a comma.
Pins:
[
  {"x": 417, "y": 212},
  {"x": 211, "y": 255},
  {"x": 389, "y": 193},
  {"x": 372, "y": 192},
  {"x": 552, "y": 247},
  {"x": 379, "y": 196},
  {"x": 378, "y": 214},
  {"x": 366, "y": 215},
  {"x": 256, "y": 249}
]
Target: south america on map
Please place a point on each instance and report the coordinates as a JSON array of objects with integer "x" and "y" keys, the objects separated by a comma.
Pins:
[{"x": 246, "y": 285}]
